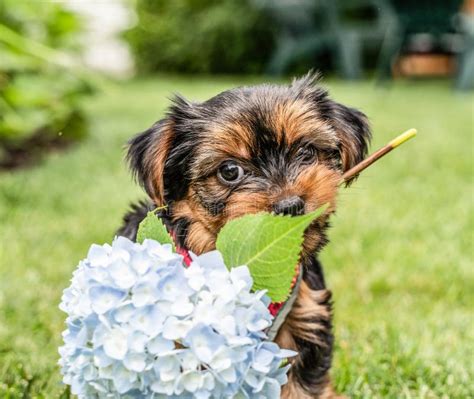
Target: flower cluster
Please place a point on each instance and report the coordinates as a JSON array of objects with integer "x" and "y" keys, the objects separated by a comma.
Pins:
[{"x": 140, "y": 324}]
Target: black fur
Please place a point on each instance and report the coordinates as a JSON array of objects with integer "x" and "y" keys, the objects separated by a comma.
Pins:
[
  {"x": 316, "y": 360},
  {"x": 132, "y": 219},
  {"x": 136, "y": 156}
]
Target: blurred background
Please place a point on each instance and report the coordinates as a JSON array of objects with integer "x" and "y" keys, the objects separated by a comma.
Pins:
[{"x": 79, "y": 77}]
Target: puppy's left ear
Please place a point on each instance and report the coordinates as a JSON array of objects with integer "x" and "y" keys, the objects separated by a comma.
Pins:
[
  {"x": 353, "y": 130},
  {"x": 351, "y": 126},
  {"x": 147, "y": 155}
]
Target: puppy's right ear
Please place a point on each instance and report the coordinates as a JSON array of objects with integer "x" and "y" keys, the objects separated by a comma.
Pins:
[{"x": 147, "y": 154}]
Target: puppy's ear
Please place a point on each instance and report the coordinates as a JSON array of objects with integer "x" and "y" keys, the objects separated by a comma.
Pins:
[
  {"x": 159, "y": 156},
  {"x": 351, "y": 126},
  {"x": 147, "y": 154},
  {"x": 353, "y": 131}
]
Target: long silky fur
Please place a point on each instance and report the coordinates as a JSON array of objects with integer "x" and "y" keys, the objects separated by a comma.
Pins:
[{"x": 261, "y": 127}]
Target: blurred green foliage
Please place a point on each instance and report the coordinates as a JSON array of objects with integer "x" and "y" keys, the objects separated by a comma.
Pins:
[
  {"x": 202, "y": 36},
  {"x": 40, "y": 83}
]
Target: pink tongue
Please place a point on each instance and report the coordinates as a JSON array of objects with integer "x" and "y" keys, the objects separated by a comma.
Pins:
[{"x": 274, "y": 307}]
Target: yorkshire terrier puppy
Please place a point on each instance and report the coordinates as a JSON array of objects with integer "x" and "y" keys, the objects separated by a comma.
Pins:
[{"x": 271, "y": 148}]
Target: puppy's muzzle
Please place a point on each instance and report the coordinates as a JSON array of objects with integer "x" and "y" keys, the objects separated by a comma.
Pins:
[{"x": 289, "y": 206}]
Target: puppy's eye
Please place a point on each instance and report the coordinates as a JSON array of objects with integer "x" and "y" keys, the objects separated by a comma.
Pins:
[
  {"x": 307, "y": 154},
  {"x": 333, "y": 157},
  {"x": 230, "y": 172}
]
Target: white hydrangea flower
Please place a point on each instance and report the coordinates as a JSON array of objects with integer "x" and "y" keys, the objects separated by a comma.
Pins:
[{"x": 141, "y": 325}]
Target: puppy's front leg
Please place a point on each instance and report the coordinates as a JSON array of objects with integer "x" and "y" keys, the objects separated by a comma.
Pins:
[{"x": 308, "y": 330}]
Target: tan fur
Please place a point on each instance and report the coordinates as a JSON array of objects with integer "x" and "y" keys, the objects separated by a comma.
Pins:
[
  {"x": 296, "y": 120},
  {"x": 348, "y": 153},
  {"x": 349, "y": 149},
  {"x": 240, "y": 204},
  {"x": 318, "y": 184},
  {"x": 292, "y": 390},
  {"x": 289, "y": 117},
  {"x": 285, "y": 339},
  {"x": 233, "y": 140},
  {"x": 307, "y": 306},
  {"x": 202, "y": 231},
  {"x": 157, "y": 159},
  {"x": 200, "y": 238}
]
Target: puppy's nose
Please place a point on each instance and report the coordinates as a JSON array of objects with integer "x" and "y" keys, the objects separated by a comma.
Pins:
[{"x": 289, "y": 206}]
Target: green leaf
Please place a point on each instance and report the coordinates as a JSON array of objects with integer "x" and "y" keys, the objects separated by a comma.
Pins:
[
  {"x": 152, "y": 227},
  {"x": 269, "y": 245}
]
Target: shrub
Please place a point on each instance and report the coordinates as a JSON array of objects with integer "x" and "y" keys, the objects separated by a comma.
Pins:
[
  {"x": 204, "y": 36},
  {"x": 40, "y": 85}
]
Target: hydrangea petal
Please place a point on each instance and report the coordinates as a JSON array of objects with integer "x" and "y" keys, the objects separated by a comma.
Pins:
[
  {"x": 105, "y": 298},
  {"x": 137, "y": 341},
  {"x": 191, "y": 381},
  {"x": 174, "y": 328},
  {"x": 98, "y": 256},
  {"x": 181, "y": 307},
  {"x": 144, "y": 293},
  {"x": 159, "y": 345},
  {"x": 135, "y": 362},
  {"x": 122, "y": 274},
  {"x": 116, "y": 344},
  {"x": 124, "y": 379},
  {"x": 101, "y": 360},
  {"x": 240, "y": 277},
  {"x": 148, "y": 319},
  {"x": 167, "y": 367},
  {"x": 140, "y": 262}
]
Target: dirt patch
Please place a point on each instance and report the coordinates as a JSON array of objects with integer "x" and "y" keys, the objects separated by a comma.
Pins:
[{"x": 31, "y": 150}]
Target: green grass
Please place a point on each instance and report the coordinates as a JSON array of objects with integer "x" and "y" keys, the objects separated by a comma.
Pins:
[{"x": 399, "y": 262}]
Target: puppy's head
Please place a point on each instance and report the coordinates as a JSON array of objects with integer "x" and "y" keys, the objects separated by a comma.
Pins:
[{"x": 246, "y": 150}]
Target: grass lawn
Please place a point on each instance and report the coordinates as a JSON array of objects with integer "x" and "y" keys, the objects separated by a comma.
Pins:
[{"x": 399, "y": 263}]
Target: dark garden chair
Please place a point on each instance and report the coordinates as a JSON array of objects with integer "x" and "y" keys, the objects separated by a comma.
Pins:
[
  {"x": 423, "y": 26},
  {"x": 465, "y": 76},
  {"x": 340, "y": 28}
]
